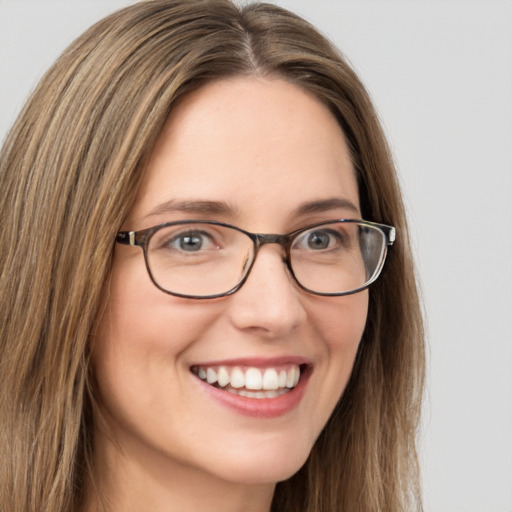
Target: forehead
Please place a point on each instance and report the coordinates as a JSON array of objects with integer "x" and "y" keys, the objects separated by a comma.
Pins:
[{"x": 257, "y": 144}]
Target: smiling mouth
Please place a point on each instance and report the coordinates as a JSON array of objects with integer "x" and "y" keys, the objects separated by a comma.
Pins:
[{"x": 252, "y": 382}]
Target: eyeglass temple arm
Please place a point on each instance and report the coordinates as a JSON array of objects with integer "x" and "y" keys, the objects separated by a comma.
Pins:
[
  {"x": 391, "y": 233},
  {"x": 126, "y": 238}
]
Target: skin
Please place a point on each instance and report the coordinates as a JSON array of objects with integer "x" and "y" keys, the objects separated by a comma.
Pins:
[{"x": 264, "y": 147}]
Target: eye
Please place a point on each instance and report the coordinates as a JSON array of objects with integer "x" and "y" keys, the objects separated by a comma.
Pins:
[
  {"x": 319, "y": 240},
  {"x": 190, "y": 241}
]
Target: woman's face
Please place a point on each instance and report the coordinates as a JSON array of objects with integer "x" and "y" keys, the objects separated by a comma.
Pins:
[{"x": 267, "y": 157}]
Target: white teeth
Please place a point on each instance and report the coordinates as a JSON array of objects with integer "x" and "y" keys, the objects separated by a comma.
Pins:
[
  {"x": 282, "y": 379},
  {"x": 258, "y": 394},
  {"x": 237, "y": 378},
  {"x": 253, "y": 379},
  {"x": 290, "y": 378},
  {"x": 251, "y": 382},
  {"x": 296, "y": 377},
  {"x": 270, "y": 379},
  {"x": 223, "y": 377},
  {"x": 211, "y": 376}
]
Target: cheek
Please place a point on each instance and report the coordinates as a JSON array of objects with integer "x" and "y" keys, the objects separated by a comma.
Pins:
[
  {"x": 140, "y": 341},
  {"x": 140, "y": 319},
  {"x": 342, "y": 321},
  {"x": 142, "y": 337}
]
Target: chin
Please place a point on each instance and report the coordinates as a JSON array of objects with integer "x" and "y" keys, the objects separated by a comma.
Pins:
[{"x": 263, "y": 466}]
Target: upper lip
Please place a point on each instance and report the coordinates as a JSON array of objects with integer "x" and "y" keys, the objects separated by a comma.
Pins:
[{"x": 257, "y": 362}]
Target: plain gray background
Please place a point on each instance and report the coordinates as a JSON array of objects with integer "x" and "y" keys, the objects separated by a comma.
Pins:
[{"x": 440, "y": 73}]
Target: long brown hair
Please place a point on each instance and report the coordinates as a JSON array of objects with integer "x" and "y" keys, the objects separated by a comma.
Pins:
[{"x": 69, "y": 172}]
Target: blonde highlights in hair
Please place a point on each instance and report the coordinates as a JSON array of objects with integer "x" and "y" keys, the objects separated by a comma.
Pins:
[{"x": 69, "y": 172}]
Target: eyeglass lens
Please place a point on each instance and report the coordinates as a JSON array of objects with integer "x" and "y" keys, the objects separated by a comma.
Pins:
[{"x": 202, "y": 259}]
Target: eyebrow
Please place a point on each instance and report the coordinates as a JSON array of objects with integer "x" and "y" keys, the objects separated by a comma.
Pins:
[
  {"x": 325, "y": 205},
  {"x": 198, "y": 207},
  {"x": 204, "y": 207}
]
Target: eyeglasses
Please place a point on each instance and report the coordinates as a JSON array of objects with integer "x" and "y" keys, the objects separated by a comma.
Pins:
[{"x": 207, "y": 259}]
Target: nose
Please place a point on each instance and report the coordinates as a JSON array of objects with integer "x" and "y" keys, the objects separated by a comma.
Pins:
[{"x": 269, "y": 303}]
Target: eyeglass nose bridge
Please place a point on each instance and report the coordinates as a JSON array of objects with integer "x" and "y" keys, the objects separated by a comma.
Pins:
[
  {"x": 263, "y": 239},
  {"x": 284, "y": 240}
]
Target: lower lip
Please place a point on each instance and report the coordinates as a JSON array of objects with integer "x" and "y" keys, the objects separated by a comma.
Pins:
[{"x": 259, "y": 407}]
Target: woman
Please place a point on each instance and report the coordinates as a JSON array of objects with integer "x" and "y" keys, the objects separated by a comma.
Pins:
[{"x": 158, "y": 355}]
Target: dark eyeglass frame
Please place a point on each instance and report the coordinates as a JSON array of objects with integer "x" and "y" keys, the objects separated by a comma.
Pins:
[{"x": 142, "y": 237}]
